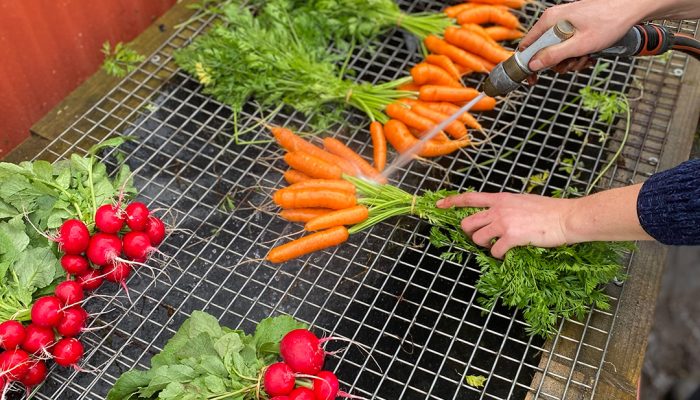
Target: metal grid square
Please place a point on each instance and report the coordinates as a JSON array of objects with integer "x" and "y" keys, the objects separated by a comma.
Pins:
[{"x": 387, "y": 288}]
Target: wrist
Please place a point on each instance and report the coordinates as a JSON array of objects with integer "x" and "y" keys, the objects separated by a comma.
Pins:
[{"x": 573, "y": 221}]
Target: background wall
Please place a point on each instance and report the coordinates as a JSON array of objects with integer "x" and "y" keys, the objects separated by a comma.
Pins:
[{"x": 49, "y": 47}]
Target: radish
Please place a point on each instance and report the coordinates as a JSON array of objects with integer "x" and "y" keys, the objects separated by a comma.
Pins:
[
  {"x": 90, "y": 280},
  {"x": 155, "y": 229},
  {"x": 12, "y": 334},
  {"x": 302, "y": 351},
  {"x": 279, "y": 379},
  {"x": 73, "y": 237},
  {"x": 14, "y": 364},
  {"x": 69, "y": 292},
  {"x": 46, "y": 311},
  {"x": 74, "y": 265},
  {"x": 67, "y": 352},
  {"x": 280, "y": 398},
  {"x": 73, "y": 322},
  {"x": 104, "y": 248},
  {"x": 38, "y": 339},
  {"x": 109, "y": 219},
  {"x": 35, "y": 374},
  {"x": 302, "y": 393},
  {"x": 137, "y": 245},
  {"x": 326, "y": 386},
  {"x": 137, "y": 216}
]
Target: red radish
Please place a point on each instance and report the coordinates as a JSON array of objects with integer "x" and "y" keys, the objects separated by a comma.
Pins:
[
  {"x": 74, "y": 265},
  {"x": 109, "y": 219},
  {"x": 280, "y": 398},
  {"x": 35, "y": 375},
  {"x": 73, "y": 321},
  {"x": 14, "y": 364},
  {"x": 104, "y": 248},
  {"x": 279, "y": 379},
  {"x": 69, "y": 292},
  {"x": 326, "y": 386},
  {"x": 12, "y": 334},
  {"x": 38, "y": 339},
  {"x": 67, "y": 352},
  {"x": 302, "y": 393},
  {"x": 118, "y": 272},
  {"x": 90, "y": 280},
  {"x": 46, "y": 311},
  {"x": 137, "y": 216},
  {"x": 73, "y": 237},
  {"x": 137, "y": 245},
  {"x": 302, "y": 351},
  {"x": 155, "y": 229}
]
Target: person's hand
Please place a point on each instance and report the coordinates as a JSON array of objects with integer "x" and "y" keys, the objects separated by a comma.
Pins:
[{"x": 513, "y": 219}]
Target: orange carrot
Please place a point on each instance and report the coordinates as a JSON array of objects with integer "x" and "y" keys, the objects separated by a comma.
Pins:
[
  {"x": 453, "y": 11},
  {"x": 303, "y": 214},
  {"x": 410, "y": 118},
  {"x": 488, "y": 15},
  {"x": 500, "y": 33},
  {"x": 314, "y": 198},
  {"x": 506, "y": 3},
  {"x": 312, "y": 166},
  {"x": 308, "y": 244},
  {"x": 339, "y": 148},
  {"x": 463, "y": 71},
  {"x": 409, "y": 86},
  {"x": 442, "y": 93},
  {"x": 293, "y": 142},
  {"x": 293, "y": 176},
  {"x": 456, "y": 129},
  {"x": 376, "y": 130},
  {"x": 479, "y": 30},
  {"x": 473, "y": 43},
  {"x": 328, "y": 184},
  {"x": 485, "y": 104},
  {"x": 445, "y": 63},
  {"x": 449, "y": 109},
  {"x": 401, "y": 139},
  {"x": 459, "y": 56},
  {"x": 424, "y": 73},
  {"x": 347, "y": 216}
]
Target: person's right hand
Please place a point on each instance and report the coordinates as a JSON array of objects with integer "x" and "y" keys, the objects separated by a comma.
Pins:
[{"x": 598, "y": 24}]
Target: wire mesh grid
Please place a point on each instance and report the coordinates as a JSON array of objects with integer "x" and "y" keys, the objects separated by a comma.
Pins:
[{"x": 388, "y": 289}]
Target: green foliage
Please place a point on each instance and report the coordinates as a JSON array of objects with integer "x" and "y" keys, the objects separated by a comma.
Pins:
[
  {"x": 544, "y": 283},
  {"x": 36, "y": 197},
  {"x": 476, "y": 381},
  {"x": 120, "y": 60},
  {"x": 535, "y": 181},
  {"x": 205, "y": 360},
  {"x": 608, "y": 103}
]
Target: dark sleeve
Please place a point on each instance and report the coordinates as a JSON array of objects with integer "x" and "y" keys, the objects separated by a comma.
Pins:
[{"x": 668, "y": 205}]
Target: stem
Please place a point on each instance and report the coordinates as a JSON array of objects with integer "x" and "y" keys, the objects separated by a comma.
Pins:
[{"x": 92, "y": 187}]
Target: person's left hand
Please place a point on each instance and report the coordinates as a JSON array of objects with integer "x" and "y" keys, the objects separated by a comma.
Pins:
[{"x": 513, "y": 219}]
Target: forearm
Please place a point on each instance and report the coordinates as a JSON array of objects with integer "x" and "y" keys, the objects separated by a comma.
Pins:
[{"x": 610, "y": 215}]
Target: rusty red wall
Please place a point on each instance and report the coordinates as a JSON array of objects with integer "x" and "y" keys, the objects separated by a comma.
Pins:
[{"x": 49, "y": 47}]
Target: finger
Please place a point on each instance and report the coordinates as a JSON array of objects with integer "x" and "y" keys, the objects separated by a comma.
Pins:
[
  {"x": 501, "y": 246},
  {"x": 581, "y": 64},
  {"x": 553, "y": 55},
  {"x": 546, "y": 21},
  {"x": 483, "y": 236},
  {"x": 532, "y": 80},
  {"x": 477, "y": 221},
  {"x": 469, "y": 199},
  {"x": 564, "y": 66}
]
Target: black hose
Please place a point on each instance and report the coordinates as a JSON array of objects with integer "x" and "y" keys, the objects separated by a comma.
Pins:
[{"x": 687, "y": 45}]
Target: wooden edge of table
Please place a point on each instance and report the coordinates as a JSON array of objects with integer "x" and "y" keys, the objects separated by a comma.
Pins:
[{"x": 96, "y": 86}]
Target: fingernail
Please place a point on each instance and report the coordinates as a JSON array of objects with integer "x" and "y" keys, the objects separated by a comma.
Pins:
[
  {"x": 440, "y": 203},
  {"x": 536, "y": 65}
]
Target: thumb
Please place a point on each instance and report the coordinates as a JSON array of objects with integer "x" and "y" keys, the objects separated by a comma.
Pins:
[{"x": 553, "y": 55}]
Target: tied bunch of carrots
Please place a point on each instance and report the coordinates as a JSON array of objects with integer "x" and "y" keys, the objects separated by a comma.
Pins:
[
  {"x": 437, "y": 81},
  {"x": 317, "y": 195}
]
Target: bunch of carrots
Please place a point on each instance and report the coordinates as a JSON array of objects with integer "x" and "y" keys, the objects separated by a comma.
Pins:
[{"x": 437, "y": 81}]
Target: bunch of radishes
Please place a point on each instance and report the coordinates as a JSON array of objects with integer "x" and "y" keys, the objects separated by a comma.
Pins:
[
  {"x": 88, "y": 260},
  {"x": 299, "y": 376}
]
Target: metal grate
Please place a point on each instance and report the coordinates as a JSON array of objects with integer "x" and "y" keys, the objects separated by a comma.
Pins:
[{"x": 387, "y": 288}]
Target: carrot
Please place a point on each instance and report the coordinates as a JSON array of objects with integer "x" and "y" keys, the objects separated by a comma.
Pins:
[
  {"x": 312, "y": 166},
  {"x": 488, "y": 14},
  {"x": 442, "y": 93},
  {"x": 445, "y": 63},
  {"x": 424, "y": 73},
  {"x": 409, "y": 86},
  {"x": 485, "y": 104},
  {"x": 293, "y": 142},
  {"x": 463, "y": 71},
  {"x": 501, "y": 33},
  {"x": 410, "y": 118},
  {"x": 401, "y": 139},
  {"x": 376, "y": 130},
  {"x": 308, "y": 244},
  {"x": 303, "y": 214},
  {"x": 507, "y": 3},
  {"x": 338, "y": 148},
  {"x": 453, "y": 11},
  {"x": 459, "y": 56},
  {"x": 293, "y": 176},
  {"x": 347, "y": 216},
  {"x": 456, "y": 129},
  {"x": 314, "y": 198},
  {"x": 479, "y": 30},
  {"x": 473, "y": 43},
  {"x": 449, "y": 109},
  {"x": 328, "y": 184}
]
